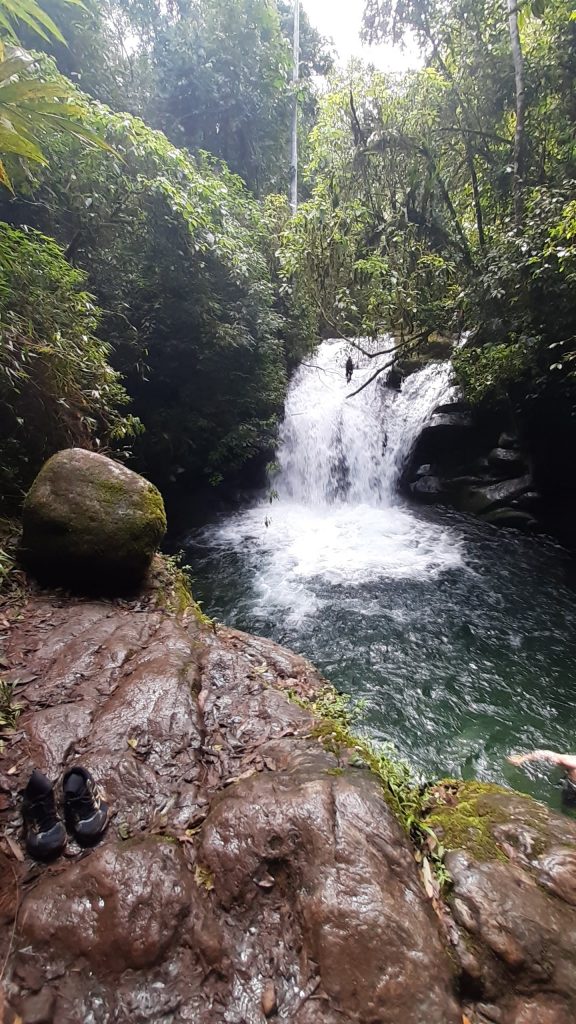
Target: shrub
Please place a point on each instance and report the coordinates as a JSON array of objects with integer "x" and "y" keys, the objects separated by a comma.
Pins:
[
  {"x": 177, "y": 253},
  {"x": 57, "y": 388}
]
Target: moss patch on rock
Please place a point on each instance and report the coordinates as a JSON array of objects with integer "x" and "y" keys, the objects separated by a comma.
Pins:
[
  {"x": 335, "y": 715},
  {"x": 173, "y": 589},
  {"x": 463, "y": 818}
]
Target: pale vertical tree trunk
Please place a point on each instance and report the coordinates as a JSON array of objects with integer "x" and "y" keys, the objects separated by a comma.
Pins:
[
  {"x": 519, "y": 134},
  {"x": 295, "y": 80}
]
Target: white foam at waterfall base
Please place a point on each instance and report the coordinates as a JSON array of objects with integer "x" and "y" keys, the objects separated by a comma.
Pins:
[{"x": 338, "y": 519}]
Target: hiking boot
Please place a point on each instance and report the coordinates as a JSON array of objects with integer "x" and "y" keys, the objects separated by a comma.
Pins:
[
  {"x": 84, "y": 806},
  {"x": 43, "y": 826}
]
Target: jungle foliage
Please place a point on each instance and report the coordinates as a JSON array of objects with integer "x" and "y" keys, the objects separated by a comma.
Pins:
[
  {"x": 29, "y": 105},
  {"x": 178, "y": 254},
  {"x": 57, "y": 388},
  {"x": 211, "y": 74},
  {"x": 441, "y": 200},
  {"x": 428, "y": 213}
]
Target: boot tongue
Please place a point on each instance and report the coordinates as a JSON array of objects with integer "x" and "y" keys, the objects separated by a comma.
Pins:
[
  {"x": 38, "y": 786},
  {"x": 75, "y": 785}
]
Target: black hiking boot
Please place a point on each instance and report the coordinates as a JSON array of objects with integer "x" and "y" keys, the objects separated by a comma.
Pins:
[
  {"x": 84, "y": 806},
  {"x": 43, "y": 826}
]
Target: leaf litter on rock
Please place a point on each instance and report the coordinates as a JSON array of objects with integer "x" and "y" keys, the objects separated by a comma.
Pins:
[
  {"x": 204, "y": 877},
  {"x": 15, "y": 848}
]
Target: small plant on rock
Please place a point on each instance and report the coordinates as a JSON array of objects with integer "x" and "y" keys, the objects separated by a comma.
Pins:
[
  {"x": 9, "y": 710},
  {"x": 335, "y": 715}
]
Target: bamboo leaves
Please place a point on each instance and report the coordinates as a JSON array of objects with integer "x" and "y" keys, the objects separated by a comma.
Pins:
[
  {"x": 32, "y": 14},
  {"x": 31, "y": 107},
  {"x": 28, "y": 110}
]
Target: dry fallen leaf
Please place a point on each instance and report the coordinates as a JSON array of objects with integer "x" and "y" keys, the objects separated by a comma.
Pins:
[
  {"x": 269, "y": 1000},
  {"x": 15, "y": 848},
  {"x": 238, "y": 778},
  {"x": 427, "y": 877},
  {"x": 204, "y": 877},
  {"x": 266, "y": 881},
  {"x": 132, "y": 743}
]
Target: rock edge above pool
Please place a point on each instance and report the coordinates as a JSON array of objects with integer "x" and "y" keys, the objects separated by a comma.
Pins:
[{"x": 248, "y": 873}]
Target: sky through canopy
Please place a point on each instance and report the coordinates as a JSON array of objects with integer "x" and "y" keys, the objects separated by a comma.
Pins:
[{"x": 341, "y": 21}]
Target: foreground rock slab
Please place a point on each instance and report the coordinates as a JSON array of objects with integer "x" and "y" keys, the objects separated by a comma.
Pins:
[{"x": 247, "y": 874}]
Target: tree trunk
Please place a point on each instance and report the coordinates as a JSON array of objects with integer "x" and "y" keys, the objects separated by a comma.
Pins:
[
  {"x": 476, "y": 194},
  {"x": 519, "y": 134},
  {"x": 295, "y": 80}
]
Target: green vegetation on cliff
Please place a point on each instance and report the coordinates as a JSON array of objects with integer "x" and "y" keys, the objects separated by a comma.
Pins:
[
  {"x": 436, "y": 206},
  {"x": 186, "y": 310},
  {"x": 175, "y": 249}
]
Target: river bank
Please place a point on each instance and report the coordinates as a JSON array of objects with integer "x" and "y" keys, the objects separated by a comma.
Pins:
[{"x": 262, "y": 860}]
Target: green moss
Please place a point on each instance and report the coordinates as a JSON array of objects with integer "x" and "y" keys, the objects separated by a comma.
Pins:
[
  {"x": 153, "y": 506},
  {"x": 110, "y": 492},
  {"x": 146, "y": 527},
  {"x": 465, "y": 821},
  {"x": 174, "y": 592}
]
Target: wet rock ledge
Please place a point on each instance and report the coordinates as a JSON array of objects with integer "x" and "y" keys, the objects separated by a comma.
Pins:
[
  {"x": 253, "y": 869},
  {"x": 246, "y": 873},
  {"x": 249, "y": 874}
]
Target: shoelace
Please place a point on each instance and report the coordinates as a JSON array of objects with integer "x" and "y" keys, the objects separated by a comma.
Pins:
[
  {"x": 85, "y": 802},
  {"x": 43, "y": 814}
]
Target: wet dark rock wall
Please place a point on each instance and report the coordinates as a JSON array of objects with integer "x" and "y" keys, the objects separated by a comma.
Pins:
[
  {"x": 513, "y": 472},
  {"x": 464, "y": 459}
]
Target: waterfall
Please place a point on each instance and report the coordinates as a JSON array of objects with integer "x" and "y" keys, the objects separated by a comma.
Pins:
[
  {"x": 337, "y": 520},
  {"x": 336, "y": 448}
]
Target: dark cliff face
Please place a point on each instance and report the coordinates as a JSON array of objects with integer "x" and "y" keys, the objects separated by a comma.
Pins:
[
  {"x": 514, "y": 474},
  {"x": 248, "y": 873}
]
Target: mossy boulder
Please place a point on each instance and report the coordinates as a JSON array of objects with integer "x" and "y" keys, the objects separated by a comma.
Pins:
[
  {"x": 91, "y": 523},
  {"x": 511, "y": 901}
]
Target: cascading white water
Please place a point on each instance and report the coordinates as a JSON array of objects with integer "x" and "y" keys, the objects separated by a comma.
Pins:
[
  {"x": 338, "y": 520},
  {"x": 333, "y": 447},
  {"x": 407, "y": 412}
]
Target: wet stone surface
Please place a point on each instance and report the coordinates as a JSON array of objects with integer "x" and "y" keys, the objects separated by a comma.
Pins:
[
  {"x": 247, "y": 875},
  {"x": 241, "y": 879},
  {"x": 513, "y": 902}
]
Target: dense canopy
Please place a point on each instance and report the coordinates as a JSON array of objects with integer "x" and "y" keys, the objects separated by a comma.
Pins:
[{"x": 152, "y": 145}]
